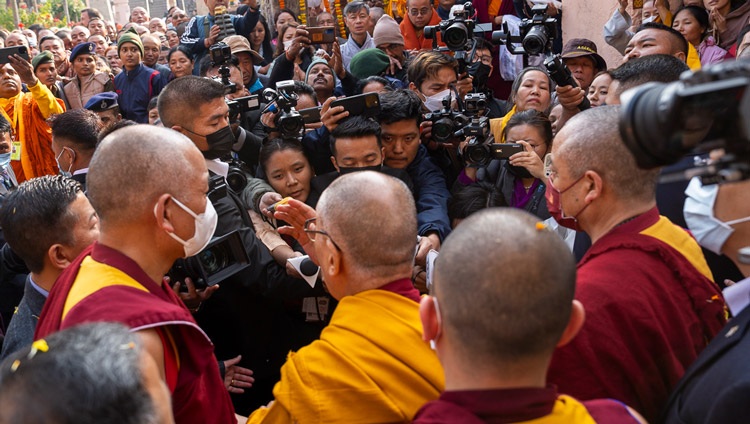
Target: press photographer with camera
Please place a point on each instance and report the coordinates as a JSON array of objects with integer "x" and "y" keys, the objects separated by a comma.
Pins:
[{"x": 254, "y": 294}]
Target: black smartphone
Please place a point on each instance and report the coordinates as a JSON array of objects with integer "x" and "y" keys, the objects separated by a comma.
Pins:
[
  {"x": 311, "y": 115},
  {"x": 322, "y": 35},
  {"x": 506, "y": 150},
  {"x": 5, "y": 53},
  {"x": 367, "y": 104}
]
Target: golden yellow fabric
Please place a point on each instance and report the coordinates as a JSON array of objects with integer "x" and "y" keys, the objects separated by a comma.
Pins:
[
  {"x": 566, "y": 410},
  {"x": 370, "y": 365},
  {"x": 497, "y": 125},
  {"x": 693, "y": 61},
  {"x": 679, "y": 240},
  {"x": 94, "y": 276}
]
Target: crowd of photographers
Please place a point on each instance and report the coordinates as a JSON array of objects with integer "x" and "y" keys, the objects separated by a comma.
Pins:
[{"x": 294, "y": 223}]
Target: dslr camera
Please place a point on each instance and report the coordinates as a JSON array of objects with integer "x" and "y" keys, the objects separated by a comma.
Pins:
[
  {"x": 457, "y": 30},
  {"x": 220, "y": 54},
  {"x": 706, "y": 110},
  {"x": 446, "y": 122},
  {"x": 289, "y": 122}
]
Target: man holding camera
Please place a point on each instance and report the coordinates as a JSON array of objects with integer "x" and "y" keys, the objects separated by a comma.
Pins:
[
  {"x": 202, "y": 32},
  {"x": 650, "y": 301}
]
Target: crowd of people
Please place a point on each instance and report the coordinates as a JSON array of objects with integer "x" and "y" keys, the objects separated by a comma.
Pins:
[{"x": 234, "y": 217}]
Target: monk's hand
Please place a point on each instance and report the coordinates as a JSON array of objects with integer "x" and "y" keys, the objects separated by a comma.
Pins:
[
  {"x": 237, "y": 378},
  {"x": 24, "y": 69},
  {"x": 295, "y": 213}
]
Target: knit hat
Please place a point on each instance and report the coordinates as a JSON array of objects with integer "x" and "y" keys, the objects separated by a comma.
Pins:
[
  {"x": 317, "y": 60},
  {"x": 102, "y": 101},
  {"x": 130, "y": 36},
  {"x": 83, "y": 48},
  {"x": 369, "y": 62},
  {"x": 42, "y": 58},
  {"x": 580, "y": 47},
  {"x": 240, "y": 44},
  {"x": 387, "y": 31}
]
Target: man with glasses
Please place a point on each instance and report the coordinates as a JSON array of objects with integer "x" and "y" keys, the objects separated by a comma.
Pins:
[
  {"x": 419, "y": 14},
  {"x": 370, "y": 363},
  {"x": 357, "y": 19}
]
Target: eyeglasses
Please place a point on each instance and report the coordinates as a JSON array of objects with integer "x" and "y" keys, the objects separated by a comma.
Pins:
[
  {"x": 309, "y": 228},
  {"x": 423, "y": 11}
]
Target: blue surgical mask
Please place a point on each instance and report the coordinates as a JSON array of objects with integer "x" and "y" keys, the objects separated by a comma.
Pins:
[
  {"x": 57, "y": 159},
  {"x": 4, "y": 160}
]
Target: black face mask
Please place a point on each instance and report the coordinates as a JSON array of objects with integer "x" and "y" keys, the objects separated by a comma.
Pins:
[
  {"x": 219, "y": 143},
  {"x": 480, "y": 72},
  {"x": 348, "y": 170},
  {"x": 518, "y": 171}
]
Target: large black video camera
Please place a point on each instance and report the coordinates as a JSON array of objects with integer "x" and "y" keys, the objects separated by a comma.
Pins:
[
  {"x": 446, "y": 122},
  {"x": 536, "y": 36},
  {"x": 457, "y": 33},
  {"x": 289, "y": 122},
  {"x": 703, "y": 111}
]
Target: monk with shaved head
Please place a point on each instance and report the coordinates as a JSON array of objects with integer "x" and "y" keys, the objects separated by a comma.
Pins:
[
  {"x": 148, "y": 185},
  {"x": 495, "y": 320},
  {"x": 651, "y": 303},
  {"x": 370, "y": 364}
]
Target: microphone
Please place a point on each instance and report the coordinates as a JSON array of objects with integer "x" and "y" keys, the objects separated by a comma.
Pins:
[{"x": 307, "y": 267}]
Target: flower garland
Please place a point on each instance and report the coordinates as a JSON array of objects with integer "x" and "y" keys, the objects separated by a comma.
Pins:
[
  {"x": 340, "y": 18},
  {"x": 302, "y": 12},
  {"x": 281, "y": 4}
]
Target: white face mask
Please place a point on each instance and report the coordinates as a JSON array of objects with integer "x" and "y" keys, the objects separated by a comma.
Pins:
[
  {"x": 710, "y": 232},
  {"x": 205, "y": 225},
  {"x": 435, "y": 102},
  {"x": 287, "y": 44},
  {"x": 62, "y": 172}
]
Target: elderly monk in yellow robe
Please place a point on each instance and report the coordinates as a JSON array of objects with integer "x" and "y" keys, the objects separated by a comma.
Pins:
[
  {"x": 370, "y": 364},
  {"x": 27, "y": 112}
]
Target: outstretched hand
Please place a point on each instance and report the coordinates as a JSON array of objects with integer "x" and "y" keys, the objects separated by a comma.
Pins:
[
  {"x": 295, "y": 213},
  {"x": 237, "y": 378}
]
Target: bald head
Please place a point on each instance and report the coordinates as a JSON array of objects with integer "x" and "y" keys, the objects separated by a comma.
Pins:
[
  {"x": 373, "y": 218},
  {"x": 133, "y": 166},
  {"x": 591, "y": 141},
  {"x": 505, "y": 286}
]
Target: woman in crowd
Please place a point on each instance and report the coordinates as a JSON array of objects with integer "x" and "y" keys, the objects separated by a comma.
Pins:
[
  {"x": 531, "y": 90},
  {"x": 599, "y": 88},
  {"x": 114, "y": 59},
  {"x": 288, "y": 170},
  {"x": 301, "y": 61},
  {"x": 260, "y": 40},
  {"x": 727, "y": 17},
  {"x": 520, "y": 178},
  {"x": 282, "y": 17},
  {"x": 172, "y": 38},
  {"x": 692, "y": 23},
  {"x": 180, "y": 61}
]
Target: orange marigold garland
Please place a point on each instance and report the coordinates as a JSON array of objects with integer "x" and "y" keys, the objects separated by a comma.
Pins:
[
  {"x": 281, "y": 4},
  {"x": 302, "y": 12},
  {"x": 340, "y": 18}
]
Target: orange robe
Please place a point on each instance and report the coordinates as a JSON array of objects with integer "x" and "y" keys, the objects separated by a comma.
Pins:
[
  {"x": 31, "y": 130},
  {"x": 412, "y": 41}
]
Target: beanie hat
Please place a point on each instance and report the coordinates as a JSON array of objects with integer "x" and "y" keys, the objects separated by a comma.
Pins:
[
  {"x": 42, "y": 58},
  {"x": 130, "y": 36},
  {"x": 316, "y": 61},
  {"x": 83, "y": 48},
  {"x": 387, "y": 31},
  {"x": 369, "y": 62}
]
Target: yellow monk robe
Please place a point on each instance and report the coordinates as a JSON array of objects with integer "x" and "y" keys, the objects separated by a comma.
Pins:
[
  {"x": 370, "y": 365},
  {"x": 27, "y": 114},
  {"x": 497, "y": 125}
]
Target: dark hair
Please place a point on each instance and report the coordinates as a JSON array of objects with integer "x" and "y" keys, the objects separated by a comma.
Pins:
[
  {"x": 279, "y": 13},
  {"x": 533, "y": 118},
  {"x": 270, "y": 147},
  {"x": 93, "y": 13},
  {"x": 427, "y": 64},
  {"x": 266, "y": 43},
  {"x": 98, "y": 364},
  {"x": 355, "y": 127},
  {"x": 186, "y": 93},
  {"x": 279, "y": 43},
  {"x": 650, "y": 68},
  {"x": 5, "y": 126},
  {"x": 677, "y": 40},
  {"x": 700, "y": 14},
  {"x": 301, "y": 87},
  {"x": 78, "y": 126},
  {"x": 745, "y": 29},
  {"x": 355, "y": 7},
  {"x": 472, "y": 198},
  {"x": 206, "y": 64},
  {"x": 152, "y": 103},
  {"x": 182, "y": 49},
  {"x": 361, "y": 84},
  {"x": 122, "y": 123},
  {"x": 41, "y": 204},
  {"x": 483, "y": 44},
  {"x": 48, "y": 38},
  {"x": 400, "y": 105},
  {"x": 519, "y": 79}
]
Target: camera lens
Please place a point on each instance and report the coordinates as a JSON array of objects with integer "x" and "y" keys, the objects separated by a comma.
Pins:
[
  {"x": 479, "y": 155},
  {"x": 442, "y": 130},
  {"x": 456, "y": 36},
  {"x": 290, "y": 126},
  {"x": 535, "y": 41},
  {"x": 214, "y": 259}
]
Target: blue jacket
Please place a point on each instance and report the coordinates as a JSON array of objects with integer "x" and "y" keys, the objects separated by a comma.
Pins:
[
  {"x": 135, "y": 89},
  {"x": 196, "y": 31},
  {"x": 431, "y": 193}
]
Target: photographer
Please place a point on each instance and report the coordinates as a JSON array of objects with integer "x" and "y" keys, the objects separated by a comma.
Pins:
[
  {"x": 480, "y": 70},
  {"x": 520, "y": 178},
  {"x": 196, "y": 107}
]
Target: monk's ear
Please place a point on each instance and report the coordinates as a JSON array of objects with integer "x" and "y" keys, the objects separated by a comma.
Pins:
[
  {"x": 596, "y": 185},
  {"x": 577, "y": 317},
  {"x": 163, "y": 214},
  {"x": 429, "y": 318}
]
